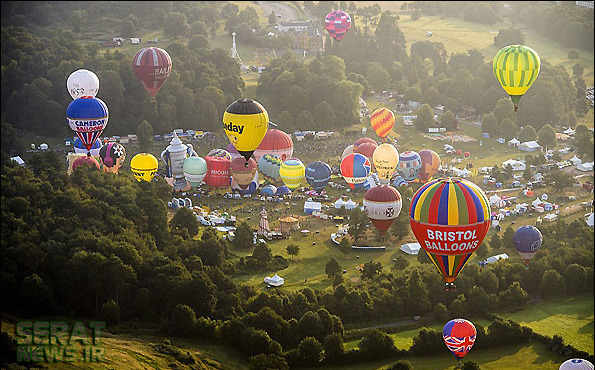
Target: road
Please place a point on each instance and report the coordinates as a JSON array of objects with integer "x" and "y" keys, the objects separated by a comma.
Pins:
[{"x": 286, "y": 12}]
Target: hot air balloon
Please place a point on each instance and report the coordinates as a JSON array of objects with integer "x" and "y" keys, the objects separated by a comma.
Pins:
[
  {"x": 382, "y": 121},
  {"x": 399, "y": 181},
  {"x": 269, "y": 165},
  {"x": 459, "y": 336},
  {"x": 233, "y": 153},
  {"x": 355, "y": 168},
  {"x": 269, "y": 190},
  {"x": 430, "y": 162},
  {"x": 466, "y": 154},
  {"x": 144, "y": 166},
  {"x": 382, "y": 204},
  {"x": 337, "y": 23},
  {"x": 385, "y": 159},
  {"x": 576, "y": 364},
  {"x": 87, "y": 116},
  {"x": 250, "y": 189},
  {"x": 363, "y": 140},
  {"x": 409, "y": 165},
  {"x": 152, "y": 66},
  {"x": 366, "y": 149},
  {"x": 275, "y": 142},
  {"x": 449, "y": 218},
  {"x": 195, "y": 170},
  {"x": 217, "y": 172},
  {"x": 219, "y": 153},
  {"x": 527, "y": 240},
  {"x": 348, "y": 150},
  {"x": 79, "y": 147},
  {"x": 292, "y": 172},
  {"x": 245, "y": 122},
  {"x": 85, "y": 161},
  {"x": 242, "y": 173},
  {"x": 516, "y": 67},
  {"x": 318, "y": 174},
  {"x": 112, "y": 156},
  {"x": 82, "y": 83}
]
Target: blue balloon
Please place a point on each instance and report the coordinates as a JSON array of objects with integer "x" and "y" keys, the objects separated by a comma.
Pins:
[
  {"x": 87, "y": 117},
  {"x": 318, "y": 174},
  {"x": 527, "y": 241},
  {"x": 282, "y": 190},
  {"x": 269, "y": 190}
]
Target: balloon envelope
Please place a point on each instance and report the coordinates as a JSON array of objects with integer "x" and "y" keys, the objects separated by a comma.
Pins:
[
  {"x": 269, "y": 190},
  {"x": 348, "y": 150},
  {"x": 233, "y": 152},
  {"x": 85, "y": 161},
  {"x": 219, "y": 153},
  {"x": 217, "y": 172},
  {"x": 112, "y": 156},
  {"x": 449, "y": 218},
  {"x": 269, "y": 165},
  {"x": 292, "y": 172},
  {"x": 409, "y": 165},
  {"x": 355, "y": 168},
  {"x": 362, "y": 140},
  {"x": 382, "y": 121},
  {"x": 382, "y": 204},
  {"x": 87, "y": 117},
  {"x": 195, "y": 170},
  {"x": 82, "y": 83},
  {"x": 318, "y": 174},
  {"x": 152, "y": 67},
  {"x": 430, "y": 162},
  {"x": 144, "y": 166},
  {"x": 366, "y": 149},
  {"x": 385, "y": 159},
  {"x": 527, "y": 241},
  {"x": 576, "y": 364},
  {"x": 245, "y": 122},
  {"x": 275, "y": 142},
  {"x": 79, "y": 147},
  {"x": 243, "y": 172},
  {"x": 516, "y": 67},
  {"x": 337, "y": 23},
  {"x": 459, "y": 336}
]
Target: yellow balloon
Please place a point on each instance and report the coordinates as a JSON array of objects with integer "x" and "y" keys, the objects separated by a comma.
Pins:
[
  {"x": 245, "y": 122},
  {"x": 516, "y": 67},
  {"x": 385, "y": 158},
  {"x": 144, "y": 166},
  {"x": 292, "y": 172}
]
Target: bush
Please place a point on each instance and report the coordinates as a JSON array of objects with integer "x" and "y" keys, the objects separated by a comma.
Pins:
[
  {"x": 110, "y": 312},
  {"x": 572, "y": 54},
  {"x": 401, "y": 365}
]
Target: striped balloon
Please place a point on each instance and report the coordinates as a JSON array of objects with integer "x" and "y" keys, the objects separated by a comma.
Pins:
[
  {"x": 152, "y": 66},
  {"x": 355, "y": 168},
  {"x": 382, "y": 205},
  {"x": 409, "y": 165},
  {"x": 430, "y": 162},
  {"x": 516, "y": 67},
  {"x": 382, "y": 121},
  {"x": 219, "y": 153},
  {"x": 450, "y": 218},
  {"x": 318, "y": 174},
  {"x": 269, "y": 165},
  {"x": 459, "y": 336},
  {"x": 292, "y": 172},
  {"x": 337, "y": 23}
]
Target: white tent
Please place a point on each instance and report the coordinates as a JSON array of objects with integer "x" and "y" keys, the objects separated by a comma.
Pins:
[
  {"x": 275, "y": 280},
  {"x": 461, "y": 173},
  {"x": 550, "y": 217},
  {"x": 350, "y": 204},
  {"x": 495, "y": 200},
  {"x": 18, "y": 159},
  {"x": 575, "y": 161},
  {"x": 339, "y": 203},
  {"x": 537, "y": 202},
  {"x": 590, "y": 220},
  {"x": 530, "y": 146},
  {"x": 310, "y": 207},
  {"x": 569, "y": 131},
  {"x": 43, "y": 146},
  {"x": 411, "y": 248},
  {"x": 544, "y": 197},
  {"x": 516, "y": 165},
  {"x": 497, "y": 257},
  {"x": 585, "y": 167},
  {"x": 514, "y": 142}
]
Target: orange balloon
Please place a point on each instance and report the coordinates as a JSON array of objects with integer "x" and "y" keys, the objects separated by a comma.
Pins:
[{"x": 383, "y": 121}]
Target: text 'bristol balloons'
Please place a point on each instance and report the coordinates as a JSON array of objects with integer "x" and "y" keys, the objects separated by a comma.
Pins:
[
  {"x": 527, "y": 241},
  {"x": 385, "y": 159},
  {"x": 245, "y": 122},
  {"x": 449, "y": 218},
  {"x": 269, "y": 165},
  {"x": 292, "y": 172},
  {"x": 459, "y": 336},
  {"x": 195, "y": 170},
  {"x": 382, "y": 121},
  {"x": 318, "y": 174},
  {"x": 516, "y": 67},
  {"x": 152, "y": 66},
  {"x": 409, "y": 165},
  {"x": 382, "y": 204},
  {"x": 217, "y": 172},
  {"x": 243, "y": 173},
  {"x": 355, "y": 168},
  {"x": 576, "y": 364},
  {"x": 112, "y": 155},
  {"x": 337, "y": 23},
  {"x": 82, "y": 83},
  {"x": 144, "y": 166},
  {"x": 87, "y": 117},
  {"x": 430, "y": 162},
  {"x": 275, "y": 142}
]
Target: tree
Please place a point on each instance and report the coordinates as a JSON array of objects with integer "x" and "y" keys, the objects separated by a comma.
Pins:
[
  {"x": 293, "y": 249},
  {"x": 440, "y": 313},
  {"x": 507, "y": 238},
  {"x": 508, "y": 129},
  {"x": 182, "y": 320},
  {"x": 505, "y": 109},
  {"x": 470, "y": 365},
  {"x": 495, "y": 242},
  {"x": 513, "y": 297},
  {"x": 128, "y": 29},
  {"x": 110, "y": 312},
  {"x": 583, "y": 140},
  {"x": 378, "y": 77},
  {"x": 573, "y": 54},
  {"x": 263, "y": 255},
  {"x": 184, "y": 223},
  {"x": 547, "y": 137},
  {"x": 358, "y": 222},
  {"x": 552, "y": 284},
  {"x": 266, "y": 362},
  {"x": 309, "y": 351},
  {"x": 448, "y": 120},
  {"x": 376, "y": 344},
  {"x": 332, "y": 268},
  {"x": 576, "y": 278},
  {"x": 416, "y": 299},
  {"x": 244, "y": 238},
  {"x": 144, "y": 133},
  {"x": 527, "y": 133},
  {"x": 478, "y": 301},
  {"x": 333, "y": 347},
  {"x": 344, "y": 246},
  {"x": 401, "y": 263},
  {"x": 509, "y": 37},
  {"x": 558, "y": 179},
  {"x": 175, "y": 24},
  {"x": 577, "y": 69},
  {"x": 401, "y": 365},
  {"x": 425, "y": 118},
  {"x": 272, "y": 19},
  {"x": 527, "y": 174},
  {"x": 489, "y": 124},
  {"x": 370, "y": 269}
]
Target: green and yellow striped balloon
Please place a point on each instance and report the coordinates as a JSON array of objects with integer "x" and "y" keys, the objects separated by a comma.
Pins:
[{"x": 516, "y": 67}]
